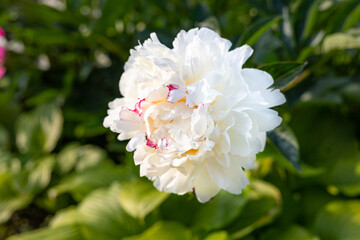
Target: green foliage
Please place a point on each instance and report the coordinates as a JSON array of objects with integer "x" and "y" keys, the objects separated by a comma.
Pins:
[
  {"x": 339, "y": 220},
  {"x": 64, "y": 176}
]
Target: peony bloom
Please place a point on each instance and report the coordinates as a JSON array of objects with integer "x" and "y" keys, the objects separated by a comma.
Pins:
[
  {"x": 195, "y": 118},
  {"x": 2, "y": 52}
]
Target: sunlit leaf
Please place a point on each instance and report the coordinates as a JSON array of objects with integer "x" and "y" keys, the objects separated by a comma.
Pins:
[
  {"x": 75, "y": 156},
  {"x": 340, "y": 41},
  {"x": 220, "y": 235},
  {"x": 68, "y": 232},
  {"x": 140, "y": 197},
  {"x": 164, "y": 231},
  {"x": 39, "y": 130},
  {"x": 352, "y": 19},
  {"x": 294, "y": 232},
  {"x": 10, "y": 200},
  {"x": 339, "y": 221},
  {"x": 40, "y": 175},
  {"x": 102, "y": 215}
]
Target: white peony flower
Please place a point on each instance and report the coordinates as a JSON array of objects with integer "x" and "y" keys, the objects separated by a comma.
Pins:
[{"x": 195, "y": 118}]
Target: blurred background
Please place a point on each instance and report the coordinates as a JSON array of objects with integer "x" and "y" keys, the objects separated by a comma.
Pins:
[{"x": 64, "y": 176}]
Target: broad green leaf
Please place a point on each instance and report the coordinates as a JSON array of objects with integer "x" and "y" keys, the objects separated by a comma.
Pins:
[
  {"x": 79, "y": 184},
  {"x": 327, "y": 140},
  {"x": 75, "y": 156},
  {"x": 284, "y": 73},
  {"x": 257, "y": 29},
  {"x": 339, "y": 220},
  {"x": 340, "y": 41},
  {"x": 219, "y": 212},
  {"x": 68, "y": 232},
  {"x": 19, "y": 185},
  {"x": 220, "y": 235},
  {"x": 352, "y": 19},
  {"x": 163, "y": 231},
  {"x": 65, "y": 217},
  {"x": 293, "y": 232},
  {"x": 10, "y": 200},
  {"x": 103, "y": 216},
  {"x": 34, "y": 175},
  {"x": 39, "y": 130},
  {"x": 285, "y": 141},
  {"x": 263, "y": 205},
  {"x": 140, "y": 197},
  {"x": 39, "y": 176},
  {"x": 189, "y": 206}
]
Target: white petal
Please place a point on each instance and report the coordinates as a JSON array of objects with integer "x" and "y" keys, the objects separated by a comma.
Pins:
[
  {"x": 175, "y": 95},
  {"x": 205, "y": 188},
  {"x": 136, "y": 141},
  {"x": 237, "y": 180},
  {"x": 240, "y": 55},
  {"x": 257, "y": 79},
  {"x": 140, "y": 154},
  {"x": 198, "y": 121},
  {"x": 216, "y": 172}
]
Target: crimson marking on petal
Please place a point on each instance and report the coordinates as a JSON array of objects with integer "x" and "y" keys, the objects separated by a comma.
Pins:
[
  {"x": 162, "y": 139},
  {"x": 171, "y": 87},
  {"x": 150, "y": 143},
  {"x": 138, "y": 108}
]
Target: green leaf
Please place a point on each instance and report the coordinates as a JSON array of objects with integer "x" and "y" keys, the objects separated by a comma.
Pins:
[
  {"x": 220, "y": 235},
  {"x": 340, "y": 41},
  {"x": 293, "y": 232},
  {"x": 219, "y": 212},
  {"x": 257, "y": 29},
  {"x": 339, "y": 221},
  {"x": 164, "y": 231},
  {"x": 352, "y": 19},
  {"x": 140, "y": 197},
  {"x": 328, "y": 140},
  {"x": 65, "y": 217},
  {"x": 285, "y": 141},
  {"x": 43, "y": 97},
  {"x": 311, "y": 18},
  {"x": 262, "y": 207},
  {"x": 68, "y": 232},
  {"x": 39, "y": 130},
  {"x": 39, "y": 176},
  {"x": 284, "y": 73},
  {"x": 75, "y": 156},
  {"x": 79, "y": 184},
  {"x": 102, "y": 216},
  {"x": 10, "y": 200}
]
